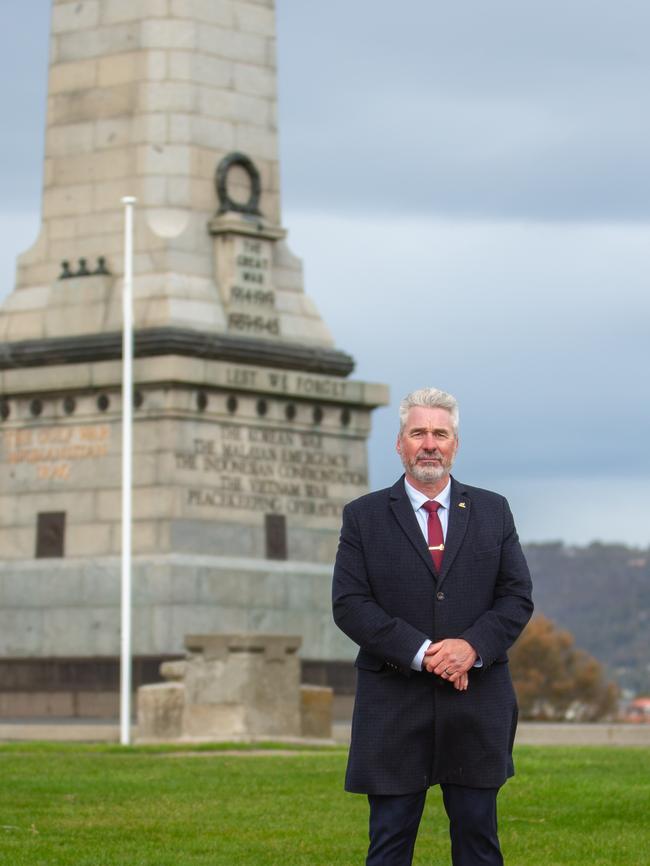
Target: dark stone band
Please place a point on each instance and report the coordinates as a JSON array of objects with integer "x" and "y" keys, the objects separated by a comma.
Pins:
[
  {"x": 102, "y": 673},
  {"x": 150, "y": 342}
]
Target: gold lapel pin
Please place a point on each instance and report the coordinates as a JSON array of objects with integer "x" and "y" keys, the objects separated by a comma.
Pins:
[{"x": 461, "y": 505}]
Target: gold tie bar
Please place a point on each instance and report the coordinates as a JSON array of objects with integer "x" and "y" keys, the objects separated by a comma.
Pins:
[{"x": 438, "y": 547}]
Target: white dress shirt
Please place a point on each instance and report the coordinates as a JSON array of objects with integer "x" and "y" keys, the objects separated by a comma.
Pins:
[{"x": 417, "y": 500}]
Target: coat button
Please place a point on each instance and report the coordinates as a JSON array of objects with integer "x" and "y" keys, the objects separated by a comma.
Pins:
[{"x": 440, "y": 596}]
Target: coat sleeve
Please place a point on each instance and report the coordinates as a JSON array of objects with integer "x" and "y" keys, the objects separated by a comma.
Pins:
[
  {"x": 356, "y": 611},
  {"x": 496, "y": 630}
]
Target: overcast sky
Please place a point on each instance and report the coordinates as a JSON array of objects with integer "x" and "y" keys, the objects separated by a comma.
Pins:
[{"x": 469, "y": 187}]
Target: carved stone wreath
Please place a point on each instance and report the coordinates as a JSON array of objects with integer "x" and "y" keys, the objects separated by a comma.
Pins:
[{"x": 225, "y": 202}]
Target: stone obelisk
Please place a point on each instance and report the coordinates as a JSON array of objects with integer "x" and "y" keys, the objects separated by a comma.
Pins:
[{"x": 249, "y": 435}]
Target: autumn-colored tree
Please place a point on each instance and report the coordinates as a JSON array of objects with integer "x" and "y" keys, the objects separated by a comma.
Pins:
[{"x": 555, "y": 681}]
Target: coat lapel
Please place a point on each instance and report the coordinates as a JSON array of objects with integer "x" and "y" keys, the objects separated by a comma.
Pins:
[
  {"x": 403, "y": 510},
  {"x": 459, "y": 514}
]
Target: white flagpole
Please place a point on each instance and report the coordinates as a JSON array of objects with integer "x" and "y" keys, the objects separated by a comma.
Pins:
[{"x": 127, "y": 461}]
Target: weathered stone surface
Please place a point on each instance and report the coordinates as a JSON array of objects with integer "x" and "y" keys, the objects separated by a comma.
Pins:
[
  {"x": 75, "y": 16},
  {"x": 19, "y": 704},
  {"x": 230, "y": 686},
  {"x": 211, "y": 476},
  {"x": 173, "y": 595},
  {"x": 160, "y": 711},
  {"x": 316, "y": 711}
]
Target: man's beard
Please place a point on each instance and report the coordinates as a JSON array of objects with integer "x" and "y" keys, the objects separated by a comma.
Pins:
[{"x": 425, "y": 473}]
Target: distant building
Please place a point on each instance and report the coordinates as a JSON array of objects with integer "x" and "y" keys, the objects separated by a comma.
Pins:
[{"x": 637, "y": 712}]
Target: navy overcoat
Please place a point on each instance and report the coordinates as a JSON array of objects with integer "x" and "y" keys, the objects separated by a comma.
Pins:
[{"x": 411, "y": 729}]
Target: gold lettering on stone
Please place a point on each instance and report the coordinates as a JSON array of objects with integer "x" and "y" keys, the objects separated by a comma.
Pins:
[{"x": 54, "y": 450}]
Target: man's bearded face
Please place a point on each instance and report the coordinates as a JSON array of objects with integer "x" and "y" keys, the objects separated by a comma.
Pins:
[{"x": 427, "y": 445}]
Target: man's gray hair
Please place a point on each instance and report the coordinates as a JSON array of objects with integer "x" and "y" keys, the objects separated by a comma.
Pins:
[{"x": 429, "y": 398}]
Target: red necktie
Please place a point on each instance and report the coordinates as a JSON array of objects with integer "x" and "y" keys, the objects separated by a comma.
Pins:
[{"x": 434, "y": 533}]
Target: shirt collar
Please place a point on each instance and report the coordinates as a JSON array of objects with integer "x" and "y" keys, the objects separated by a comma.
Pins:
[{"x": 418, "y": 499}]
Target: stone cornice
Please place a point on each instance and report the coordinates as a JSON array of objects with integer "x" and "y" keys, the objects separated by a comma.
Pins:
[{"x": 151, "y": 342}]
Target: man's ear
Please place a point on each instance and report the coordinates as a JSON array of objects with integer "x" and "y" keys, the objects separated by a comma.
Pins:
[{"x": 398, "y": 444}]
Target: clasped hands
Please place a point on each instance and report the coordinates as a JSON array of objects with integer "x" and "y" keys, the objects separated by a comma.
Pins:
[{"x": 450, "y": 659}]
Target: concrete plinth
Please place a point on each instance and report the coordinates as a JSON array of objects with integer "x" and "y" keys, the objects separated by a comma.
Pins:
[
  {"x": 233, "y": 687},
  {"x": 316, "y": 711}
]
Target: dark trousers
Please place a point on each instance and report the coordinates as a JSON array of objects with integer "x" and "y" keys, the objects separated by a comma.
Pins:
[{"x": 472, "y": 814}]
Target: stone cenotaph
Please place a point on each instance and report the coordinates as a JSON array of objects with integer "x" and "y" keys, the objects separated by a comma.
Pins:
[{"x": 248, "y": 434}]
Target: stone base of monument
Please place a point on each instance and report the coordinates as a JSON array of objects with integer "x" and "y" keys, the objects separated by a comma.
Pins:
[{"x": 240, "y": 687}]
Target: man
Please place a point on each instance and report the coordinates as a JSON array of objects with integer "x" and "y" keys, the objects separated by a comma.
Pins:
[{"x": 431, "y": 582}]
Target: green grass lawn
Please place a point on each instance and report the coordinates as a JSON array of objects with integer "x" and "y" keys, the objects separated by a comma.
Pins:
[{"x": 65, "y": 805}]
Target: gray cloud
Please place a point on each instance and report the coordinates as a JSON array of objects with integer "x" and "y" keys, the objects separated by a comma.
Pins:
[
  {"x": 540, "y": 330},
  {"x": 490, "y": 110}
]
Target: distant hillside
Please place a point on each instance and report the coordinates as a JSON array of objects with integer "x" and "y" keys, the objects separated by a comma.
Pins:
[{"x": 601, "y": 594}]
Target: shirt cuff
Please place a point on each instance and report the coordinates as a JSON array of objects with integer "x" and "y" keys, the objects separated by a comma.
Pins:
[
  {"x": 416, "y": 664},
  {"x": 478, "y": 663}
]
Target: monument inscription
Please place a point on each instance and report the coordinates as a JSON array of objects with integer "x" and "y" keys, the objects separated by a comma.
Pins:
[
  {"x": 299, "y": 384},
  {"x": 53, "y": 450},
  {"x": 270, "y": 470},
  {"x": 246, "y": 279}
]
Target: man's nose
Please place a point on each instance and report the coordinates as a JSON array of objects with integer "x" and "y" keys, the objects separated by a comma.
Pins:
[{"x": 429, "y": 441}]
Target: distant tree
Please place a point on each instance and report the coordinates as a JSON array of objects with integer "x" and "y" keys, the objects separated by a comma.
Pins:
[{"x": 555, "y": 681}]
